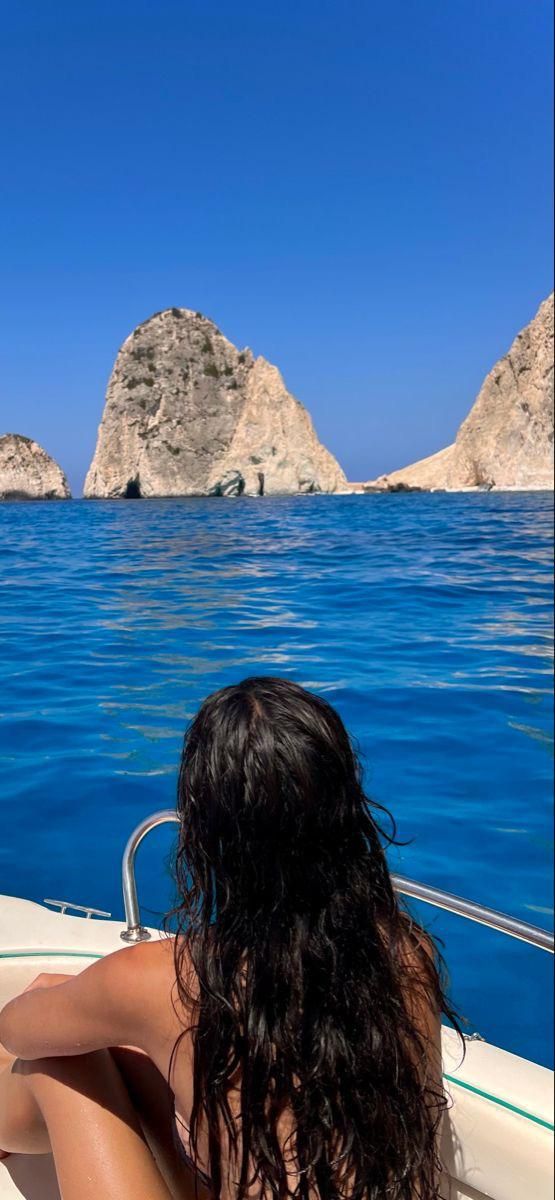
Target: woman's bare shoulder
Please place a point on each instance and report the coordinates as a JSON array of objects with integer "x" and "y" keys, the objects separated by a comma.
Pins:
[
  {"x": 418, "y": 965},
  {"x": 415, "y": 948},
  {"x": 148, "y": 977},
  {"x": 154, "y": 964},
  {"x": 147, "y": 972}
]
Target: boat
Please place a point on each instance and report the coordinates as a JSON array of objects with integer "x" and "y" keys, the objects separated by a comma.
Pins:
[{"x": 497, "y": 1139}]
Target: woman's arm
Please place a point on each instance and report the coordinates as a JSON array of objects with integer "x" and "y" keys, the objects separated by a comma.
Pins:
[{"x": 109, "y": 1004}]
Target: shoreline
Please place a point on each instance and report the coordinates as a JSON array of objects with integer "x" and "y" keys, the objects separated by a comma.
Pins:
[{"x": 356, "y": 491}]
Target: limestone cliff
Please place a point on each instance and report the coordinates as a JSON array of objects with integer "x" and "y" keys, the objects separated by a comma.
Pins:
[
  {"x": 27, "y": 472},
  {"x": 429, "y": 473},
  {"x": 506, "y": 440},
  {"x": 188, "y": 414}
]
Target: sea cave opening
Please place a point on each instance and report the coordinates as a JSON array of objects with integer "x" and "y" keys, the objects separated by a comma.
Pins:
[{"x": 132, "y": 491}]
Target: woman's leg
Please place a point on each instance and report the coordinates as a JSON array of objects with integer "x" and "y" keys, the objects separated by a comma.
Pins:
[
  {"x": 153, "y": 1102},
  {"x": 80, "y": 1108},
  {"x": 22, "y": 1129}
]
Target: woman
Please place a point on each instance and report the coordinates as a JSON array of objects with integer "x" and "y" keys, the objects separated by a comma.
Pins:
[{"x": 295, "y": 1014}]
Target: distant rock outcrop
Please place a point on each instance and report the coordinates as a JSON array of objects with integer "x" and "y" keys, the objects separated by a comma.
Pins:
[
  {"x": 506, "y": 440},
  {"x": 27, "y": 472},
  {"x": 187, "y": 414}
]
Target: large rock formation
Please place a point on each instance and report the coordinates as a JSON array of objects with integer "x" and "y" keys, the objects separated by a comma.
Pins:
[
  {"x": 187, "y": 414},
  {"x": 506, "y": 440},
  {"x": 27, "y": 472}
]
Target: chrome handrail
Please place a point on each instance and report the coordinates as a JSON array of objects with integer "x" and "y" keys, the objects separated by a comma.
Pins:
[
  {"x": 136, "y": 932},
  {"x": 512, "y": 926},
  {"x": 478, "y": 913}
]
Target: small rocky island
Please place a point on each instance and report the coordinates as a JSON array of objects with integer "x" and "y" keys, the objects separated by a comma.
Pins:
[
  {"x": 506, "y": 440},
  {"x": 27, "y": 472},
  {"x": 188, "y": 414}
]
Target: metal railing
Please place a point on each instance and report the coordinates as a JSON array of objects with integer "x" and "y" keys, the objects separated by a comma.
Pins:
[
  {"x": 136, "y": 932},
  {"x": 532, "y": 934},
  {"x": 478, "y": 913}
]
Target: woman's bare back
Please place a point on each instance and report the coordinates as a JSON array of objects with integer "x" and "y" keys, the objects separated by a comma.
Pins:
[{"x": 169, "y": 1025}]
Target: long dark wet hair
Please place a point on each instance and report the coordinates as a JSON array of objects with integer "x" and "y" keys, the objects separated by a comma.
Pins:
[{"x": 311, "y": 981}]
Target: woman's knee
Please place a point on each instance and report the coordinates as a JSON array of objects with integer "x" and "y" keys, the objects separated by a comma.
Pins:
[
  {"x": 93, "y": 1130},
  {"x": 22, "y": 1126}
]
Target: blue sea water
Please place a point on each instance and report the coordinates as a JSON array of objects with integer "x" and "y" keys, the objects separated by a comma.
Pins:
[{"x": 426, "y": 619}]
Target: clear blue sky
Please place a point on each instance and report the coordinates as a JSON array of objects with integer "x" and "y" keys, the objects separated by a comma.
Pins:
[{"x": 359, "y": 191}]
